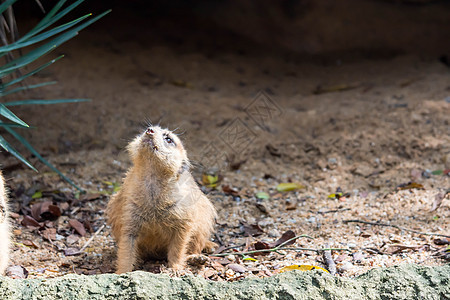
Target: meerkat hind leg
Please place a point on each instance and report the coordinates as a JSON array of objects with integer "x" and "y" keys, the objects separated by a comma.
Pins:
[
  {"x": 176, "y": 254},
  {"x": 126, "y": 254}
]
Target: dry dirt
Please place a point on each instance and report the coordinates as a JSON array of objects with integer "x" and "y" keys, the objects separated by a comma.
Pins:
[{"x": 366, "y": 126}]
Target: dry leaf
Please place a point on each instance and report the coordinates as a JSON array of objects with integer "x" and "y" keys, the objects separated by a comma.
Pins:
[
  {"x": 284, "y": 237},
  {"x": 29, "y": 221},
  {"x": 252, "y": 230},
  {"x": 230, "y": 191},
  {"x": 289, "y": 186},
  {"x": 72, "y": 239},
  {"x": 49, "y": 234},
  {"x": 30, "y": 244},
  {"x": 45, "y": 211},
  {"x": 79, "y": 227},
  {"x": 261, "y": 246},
  {"x": 410, "y": 185},
  {"x": 301, "y": 268}
]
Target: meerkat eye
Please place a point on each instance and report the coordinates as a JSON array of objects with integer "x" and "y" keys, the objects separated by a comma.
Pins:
[{"x": 169, "y": 140}]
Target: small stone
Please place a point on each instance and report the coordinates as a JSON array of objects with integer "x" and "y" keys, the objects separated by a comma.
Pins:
[
  {"x": 346, "y": 266},
  {"x": 311, "y": 220},
  {"x": 17, "y": 272},
  {"x": 358, "y": 257},
  {"x": 237, "y": 268},
  {"x": 274, "y": 233}
]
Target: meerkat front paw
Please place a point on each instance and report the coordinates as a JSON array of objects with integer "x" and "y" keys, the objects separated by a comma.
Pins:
[{"x": 197, "y": 260}]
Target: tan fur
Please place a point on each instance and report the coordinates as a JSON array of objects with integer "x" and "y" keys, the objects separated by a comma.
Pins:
[
  {"x": 4, "y": 227},
  {"x": 159, "y": 212}
]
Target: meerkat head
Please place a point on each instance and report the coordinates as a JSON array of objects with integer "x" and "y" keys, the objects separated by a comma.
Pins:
[{"x": 161, "y": 147}]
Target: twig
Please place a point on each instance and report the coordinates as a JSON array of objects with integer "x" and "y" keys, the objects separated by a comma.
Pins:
[
  {"x": 228, "y": 248},
  {"x": 396, "y": 226},
  {"x": 278, "y": 249},
  {"x": 219, "y": 240},
  {"x": 92, "y": 237},
  {"x": 329, "y": 262}
]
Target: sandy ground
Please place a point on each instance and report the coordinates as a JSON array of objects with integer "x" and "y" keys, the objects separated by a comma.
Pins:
[{"x": 366, "y": 126}]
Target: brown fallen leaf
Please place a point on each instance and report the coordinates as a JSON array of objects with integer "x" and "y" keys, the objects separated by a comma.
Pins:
[
  {"x": 30, "y": 244},
  {"x": 49, "y": 234},
  {"x": 252, "y": 230},
  {"x": 72, "y": 239},
  {"x": 261, "y": 246},
  {"x": 78, "y": 226},
  {"x": 230, "y": 191},
  {"x": 410, "y": 186},
  {"x": 441, "y": 242},
  {"x": 45, "y": 211},
  {"x": 284, "y": 237},
  {"x": 30, "y": 222}
]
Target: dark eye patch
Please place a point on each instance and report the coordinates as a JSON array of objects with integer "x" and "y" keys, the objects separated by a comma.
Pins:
[{"x": 168, "y": 139}]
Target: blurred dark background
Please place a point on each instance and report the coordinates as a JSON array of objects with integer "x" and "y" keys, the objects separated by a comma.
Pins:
[{"x": 305, "y": 28}]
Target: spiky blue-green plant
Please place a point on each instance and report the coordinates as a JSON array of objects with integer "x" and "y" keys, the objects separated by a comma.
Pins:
[{"x": 49, "y": 37}]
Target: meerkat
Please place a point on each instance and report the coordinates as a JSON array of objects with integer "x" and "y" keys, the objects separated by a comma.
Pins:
[
  {"x": 4, "y": 227},
  {"x": 159, "y": 212}
]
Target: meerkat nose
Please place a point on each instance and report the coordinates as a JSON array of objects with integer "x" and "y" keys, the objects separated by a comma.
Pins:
[{"x": 150, "y": 131}]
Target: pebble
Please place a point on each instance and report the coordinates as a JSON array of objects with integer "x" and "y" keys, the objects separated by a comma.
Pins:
[
  {"x": 237, "y": 268},
  {"x": 274, "y": 233},
  {"x": 351, "y": 245},
  {"x": 311, "y": 220},
  {"x": 346, "y": 266}
]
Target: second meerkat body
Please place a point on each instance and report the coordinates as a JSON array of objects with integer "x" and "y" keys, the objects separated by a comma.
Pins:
[
  {"x": 4, "y": 227},
  {"x": 159, "y": 211}
]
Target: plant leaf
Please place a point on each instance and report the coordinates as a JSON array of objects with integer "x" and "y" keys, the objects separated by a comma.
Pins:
[
  {"x": 2, "y": 124},
  {"x": 27, "y": 87},
  {"x": 11, "y": 116},
  {"x": 35, "y": 54},
  {"x": 44, "y": 102},
  {"x": 5, "y": 145},
  {"x": 289, "y": 186},
  {"x": 262, "y": 195},
  {"x": 49, "y": 46},
  {"x": 4, "y": 6},
  {"x": 17, "y": 80},
  {"x": 43, "y": 36},
  {"x": 43, "y": 160}
]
